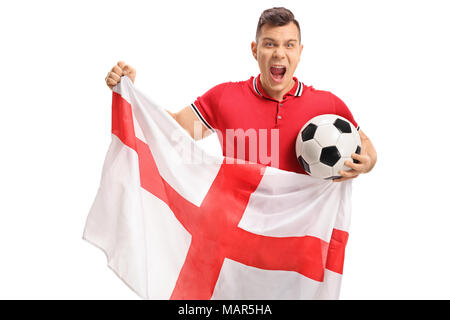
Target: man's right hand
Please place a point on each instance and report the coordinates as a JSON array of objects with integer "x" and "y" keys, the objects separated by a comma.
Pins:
[
  {"x": 119, "y": 70},
  {"x": 185, "y": 117}
]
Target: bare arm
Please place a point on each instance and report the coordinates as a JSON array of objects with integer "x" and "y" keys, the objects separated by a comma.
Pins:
[
  {"x": 190, "y": 122},
  {"x": 185, "y": 117}
]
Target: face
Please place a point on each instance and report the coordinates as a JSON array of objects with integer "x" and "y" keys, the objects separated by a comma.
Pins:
[{"x": 278, "y": 53}]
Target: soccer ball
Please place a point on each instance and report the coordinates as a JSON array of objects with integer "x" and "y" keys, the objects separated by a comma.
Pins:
[{"x": 324, "y": 143}]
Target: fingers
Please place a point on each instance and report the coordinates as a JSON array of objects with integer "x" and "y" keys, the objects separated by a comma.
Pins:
[
  {"x": 348, "y": 173},
  {"x": 355, "y": 168},
  {"x": 362, "y": 165},
  {"x": 110, "y": 82},
  {"x": 119, "y": 70},
  {"x": 352, "y": 165},
  {"x": 121, "y": 64},
  {"x": 114, "y": 76},
  {"x": 130, "y": 72},
  {"x": 357, "y": 156}
]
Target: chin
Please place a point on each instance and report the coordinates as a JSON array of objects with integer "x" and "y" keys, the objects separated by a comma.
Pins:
[{"x": 279, "y": 85}]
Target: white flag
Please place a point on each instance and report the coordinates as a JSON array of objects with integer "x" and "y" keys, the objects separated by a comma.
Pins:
[{"x": 206, "y": 228}]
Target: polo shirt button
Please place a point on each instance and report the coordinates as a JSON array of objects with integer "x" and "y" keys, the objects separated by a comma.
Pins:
[
  {"x": 281, "y": 104},
  {"x": 279, "y": 117}
]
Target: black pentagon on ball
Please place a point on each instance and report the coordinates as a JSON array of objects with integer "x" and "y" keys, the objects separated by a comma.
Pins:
[
  {"x": 304, "y": 164},
  {"x": 308, "y": 132},
  {"x": 330, "y": 155},
  {"x": 343, "y": 126},
  {"x": 358, "y": 151}
]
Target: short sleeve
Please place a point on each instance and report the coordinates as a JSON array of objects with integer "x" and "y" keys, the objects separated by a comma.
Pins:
[
  {"x": 207, "y": 106},
  {"x": 342, "y": 110}
]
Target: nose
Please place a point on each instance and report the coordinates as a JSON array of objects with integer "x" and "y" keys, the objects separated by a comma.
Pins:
[{"x": 279, "y": 53}]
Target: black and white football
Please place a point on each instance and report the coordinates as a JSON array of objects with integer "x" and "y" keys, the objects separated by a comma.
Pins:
[{"x": 324, "y": 143}]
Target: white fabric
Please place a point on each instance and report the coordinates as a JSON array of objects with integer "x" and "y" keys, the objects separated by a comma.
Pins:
[
  {"x": 131, "y": 239},
  {"x": 238, "y": 281},
  {"x": 146, "y": 245},
  {"x": 288, "y": 204},
  {"x": 161, "y": 131}
]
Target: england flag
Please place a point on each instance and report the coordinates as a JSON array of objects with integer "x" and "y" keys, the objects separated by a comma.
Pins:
[{"x": 211, "y": 228}]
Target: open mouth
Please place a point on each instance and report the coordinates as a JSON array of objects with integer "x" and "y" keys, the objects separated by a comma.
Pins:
[{"x": 277, "y": 73}]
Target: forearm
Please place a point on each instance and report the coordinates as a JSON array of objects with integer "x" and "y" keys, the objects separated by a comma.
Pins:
[
  {"x": 368, "y": 149},
  {"x": 187, "y": 119}
]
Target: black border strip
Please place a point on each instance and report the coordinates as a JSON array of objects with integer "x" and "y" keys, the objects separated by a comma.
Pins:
[
  {"x": 256, "y": 86},
  {"x": 299, "y": 90}
]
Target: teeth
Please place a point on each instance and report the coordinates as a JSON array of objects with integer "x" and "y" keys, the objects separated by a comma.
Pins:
[{"x": 279, "y": 67}]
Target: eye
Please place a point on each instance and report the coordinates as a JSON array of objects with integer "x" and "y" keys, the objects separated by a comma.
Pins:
[
  {"x": 290, "y": 45},
  {"x": 269, "y": 44}
]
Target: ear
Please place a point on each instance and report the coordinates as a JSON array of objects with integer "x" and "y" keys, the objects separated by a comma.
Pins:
[
  {"x": 301, "y": 49},
  {"x": 254, "y": 47}
]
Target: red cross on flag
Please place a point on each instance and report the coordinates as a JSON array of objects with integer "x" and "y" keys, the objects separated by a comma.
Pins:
[{"x": 178, "y": 223}]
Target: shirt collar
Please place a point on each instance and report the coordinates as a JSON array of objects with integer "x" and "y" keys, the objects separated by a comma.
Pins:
[{"x": 296, "y": 90}]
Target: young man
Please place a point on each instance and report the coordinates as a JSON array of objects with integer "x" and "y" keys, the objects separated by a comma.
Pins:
[{"x": 274, "y": 101}]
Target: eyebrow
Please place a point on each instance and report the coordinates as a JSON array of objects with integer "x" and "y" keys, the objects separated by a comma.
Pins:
[{"x": 266, "y": 38}]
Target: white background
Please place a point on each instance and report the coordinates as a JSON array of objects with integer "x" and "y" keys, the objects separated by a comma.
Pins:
[{"x": 388, "y": 60}]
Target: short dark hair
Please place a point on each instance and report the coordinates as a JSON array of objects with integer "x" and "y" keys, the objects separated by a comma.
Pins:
[{"x": 277, "y": 16}]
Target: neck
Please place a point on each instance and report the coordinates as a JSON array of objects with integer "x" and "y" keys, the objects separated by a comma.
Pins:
[{"x": 277, "y": 95}]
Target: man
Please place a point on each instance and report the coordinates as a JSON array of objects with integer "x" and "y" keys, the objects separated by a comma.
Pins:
[{"x": 275, "y": 101}]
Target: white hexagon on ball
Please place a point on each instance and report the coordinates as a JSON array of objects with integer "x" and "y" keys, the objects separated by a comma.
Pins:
[
  {"x": 327, "y": 135},
  {"x": 346, "y": 144},
  {"x": 320, "y": 170},
  {"x": 310, "y": 151},
  {"x": 323, "y": 119}
]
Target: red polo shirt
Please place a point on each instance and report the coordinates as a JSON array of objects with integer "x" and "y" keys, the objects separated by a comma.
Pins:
[{"x": 249, "y": 113}]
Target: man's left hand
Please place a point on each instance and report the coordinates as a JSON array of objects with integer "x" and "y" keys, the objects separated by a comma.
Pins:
[
  {"x": 367, "y": 160},
  {"x": 363, "y": 166}
]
